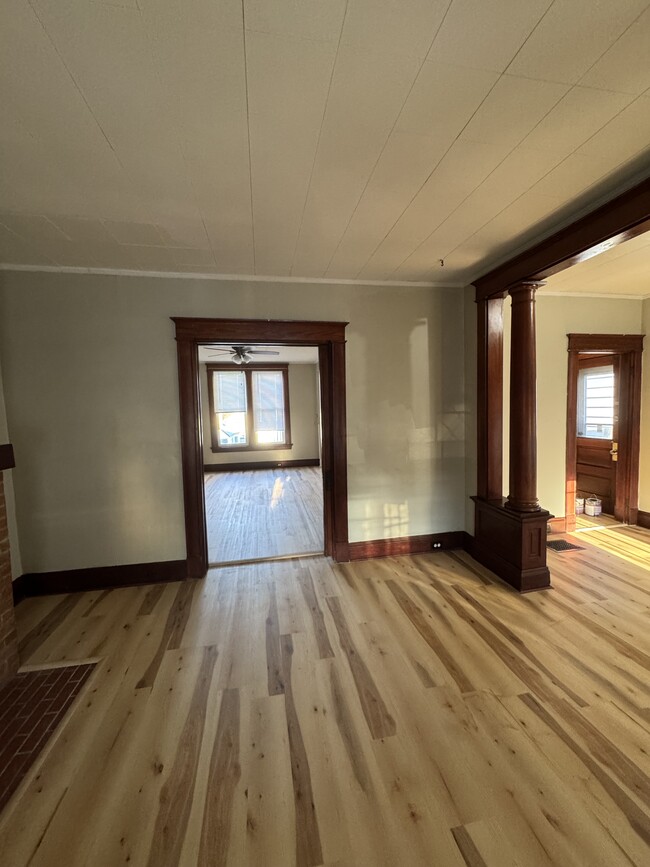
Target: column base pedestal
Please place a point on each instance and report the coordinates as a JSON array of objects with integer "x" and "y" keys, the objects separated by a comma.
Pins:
[{"x": 512, "y": 544}]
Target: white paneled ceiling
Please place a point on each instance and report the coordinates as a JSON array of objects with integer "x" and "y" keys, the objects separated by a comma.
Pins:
[
  {"x": 619, "y": 271},
  {"x": 343, "y": 139}
]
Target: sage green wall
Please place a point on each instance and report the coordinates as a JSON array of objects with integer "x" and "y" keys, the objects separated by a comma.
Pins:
[
  {"x": 303, "y": 405},
  {"x": 91, "y": 391}
]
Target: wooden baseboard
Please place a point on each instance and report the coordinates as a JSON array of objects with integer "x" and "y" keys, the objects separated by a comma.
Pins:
[
  {"x": 404, "y": 545},
  {"x": 100, "y": 577},
  {"x": 557, "y": 525},
  {"x": 643, "y": 519},
  {"x": 259, "y": 465},
  {"x": 7, "y": 456}
]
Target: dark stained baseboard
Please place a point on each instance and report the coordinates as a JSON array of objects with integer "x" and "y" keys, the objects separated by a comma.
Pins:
[
  {"x": 18, "y": 589},
  {"x": 259, "y": 465},
  {"x": 405, "y": 545},
  {"x": 97, "y": 578},
  {"x": 643, "y": 519},
  {"x": 7, "y": 456}
]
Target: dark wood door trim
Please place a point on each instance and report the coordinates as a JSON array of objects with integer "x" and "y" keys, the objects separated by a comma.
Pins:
[
  {"x": 606, "y": 344},
  {"x": 629, "y": 349},
  {"x": 329, "y": 337},
  {"x": 624, "y": 217}
]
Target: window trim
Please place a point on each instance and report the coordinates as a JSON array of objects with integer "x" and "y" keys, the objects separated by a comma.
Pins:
[{"x": 250, "y": 420}]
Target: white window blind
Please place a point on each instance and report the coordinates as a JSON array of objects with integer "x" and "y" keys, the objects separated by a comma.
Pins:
[
  {"x": 230, "y": 407},
  {"x": 268, "y": 407}
]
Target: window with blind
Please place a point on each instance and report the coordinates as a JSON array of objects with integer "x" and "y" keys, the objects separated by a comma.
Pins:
[
  {"x": 596, "y": 402},
  {"x": 249, "y": 409}
]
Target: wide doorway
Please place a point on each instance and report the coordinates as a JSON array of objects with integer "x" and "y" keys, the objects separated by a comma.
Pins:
[
  {"x": 238, "y": 345},
  {"x": 262, "y": 451}
]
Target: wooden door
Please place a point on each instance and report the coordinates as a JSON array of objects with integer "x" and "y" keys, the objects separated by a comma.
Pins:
[
  {"x": 597, "y": 429},
  {"x": 624, "y": 351}
]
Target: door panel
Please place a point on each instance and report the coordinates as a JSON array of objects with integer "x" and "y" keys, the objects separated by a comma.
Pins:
[{"x": 596, "y": 472}]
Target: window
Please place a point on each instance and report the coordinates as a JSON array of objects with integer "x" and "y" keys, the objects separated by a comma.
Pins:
[
  {"x": 596, "y": 402},
  {"x": 249, "y": 409}
]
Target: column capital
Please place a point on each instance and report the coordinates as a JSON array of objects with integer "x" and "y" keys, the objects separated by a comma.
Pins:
[{"x": 525, "y": 288}]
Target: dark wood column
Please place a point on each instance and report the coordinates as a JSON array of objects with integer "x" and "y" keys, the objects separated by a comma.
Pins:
[
  {"x": 509, "y": 536},
  {"x": 523, "y": 401},
  {"x": 489, "y": 420}
]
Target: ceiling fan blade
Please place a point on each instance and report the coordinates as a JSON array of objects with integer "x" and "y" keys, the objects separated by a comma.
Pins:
[{"x": 263, "y": 352}]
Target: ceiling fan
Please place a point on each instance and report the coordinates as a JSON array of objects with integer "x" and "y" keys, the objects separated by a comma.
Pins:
[{"x": 242, "y": 354}]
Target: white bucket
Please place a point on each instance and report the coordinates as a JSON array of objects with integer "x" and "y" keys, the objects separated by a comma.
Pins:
[
  {"x": 593, "y": 506},
  {"x": 580, "y": 505}
]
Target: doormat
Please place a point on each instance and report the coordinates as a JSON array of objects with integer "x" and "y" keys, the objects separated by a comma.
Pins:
[
  {"x": 32, "y": 705},
  {"x": 561, "y": 545}
]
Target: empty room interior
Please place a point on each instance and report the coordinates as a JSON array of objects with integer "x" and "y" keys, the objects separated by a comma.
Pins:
[
  {"x": 324, "y": 433},
  {"x": 261, "y": 446}
]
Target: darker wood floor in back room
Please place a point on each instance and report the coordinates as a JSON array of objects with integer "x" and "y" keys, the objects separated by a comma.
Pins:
[
  {"x": 257, "y": 514},
  {"x": 406, "y": 711}
]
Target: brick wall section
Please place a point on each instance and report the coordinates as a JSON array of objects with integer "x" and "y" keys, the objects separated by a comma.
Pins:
[{"x": 8, "y": 639}]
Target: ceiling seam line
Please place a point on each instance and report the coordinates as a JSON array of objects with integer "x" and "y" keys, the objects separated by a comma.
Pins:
[
  {"x": 588, "y": 187},
  {"x": 493, "y": 263},
  {"x": 248, "y": 127},
  {"x": 557, "y": 165},
  {"x": 526, "y": 40},
  {"x": 430, "y": 175},
  {"x": 318, "y": 140},
  {"x": 390, "y": 132},
  {"x": 188, "y": 180},
  {"x": 418, "y": 191},
  {"x": 77, "y": 88}
]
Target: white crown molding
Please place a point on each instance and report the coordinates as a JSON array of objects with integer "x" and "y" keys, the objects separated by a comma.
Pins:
[
  {"x": 557, "y": 293},
  {"x": 233, "y": 278}
]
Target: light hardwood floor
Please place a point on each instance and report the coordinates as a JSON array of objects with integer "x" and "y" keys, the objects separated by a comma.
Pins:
[
  {"x": 406, "y": 711},
  {"x": 586, "y": 522},
  {"x": 264, "y": 513}
]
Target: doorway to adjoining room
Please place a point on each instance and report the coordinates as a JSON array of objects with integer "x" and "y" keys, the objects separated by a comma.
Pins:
[
  {"x": 261, "y": 450},
  {"x": 603, "y": 430}
]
